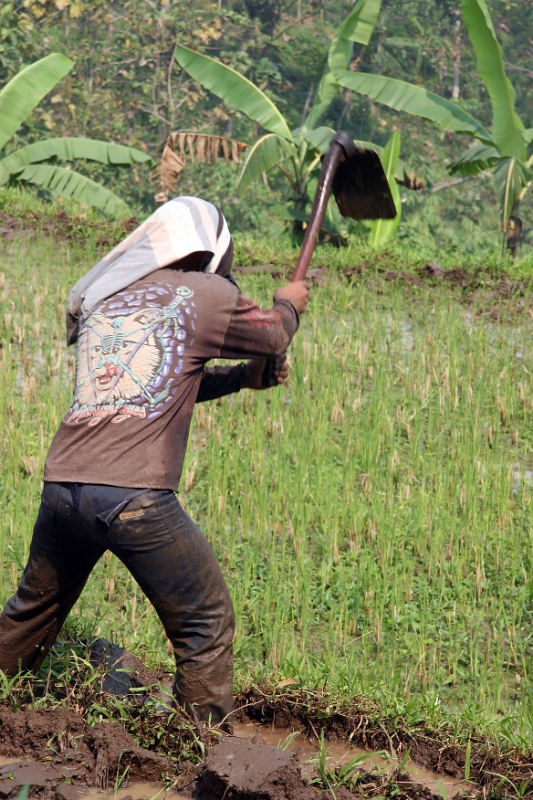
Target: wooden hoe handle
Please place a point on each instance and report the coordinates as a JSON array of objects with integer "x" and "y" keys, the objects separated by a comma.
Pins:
[{"x": 335, "y": 155}]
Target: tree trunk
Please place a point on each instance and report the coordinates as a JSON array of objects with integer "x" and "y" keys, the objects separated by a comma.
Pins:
[
  {"x": 514, "y": 235},
  {"x": 307, "y": 104},
  {"x": 456, "y": 61}
]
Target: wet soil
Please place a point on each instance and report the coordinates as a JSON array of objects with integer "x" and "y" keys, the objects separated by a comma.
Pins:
[
  {"x": 273, "y": 754},
  {"x": 146, "y": 751},
  {"x": 306, "y": 748},
  {"x": 68, "y": 750},
  {"x": 76, "y": 764}
]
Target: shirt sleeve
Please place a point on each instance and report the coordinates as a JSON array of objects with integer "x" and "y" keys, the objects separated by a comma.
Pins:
[
  {"x": 254, "y": 333},
  {"x": 220, "y": 381}
]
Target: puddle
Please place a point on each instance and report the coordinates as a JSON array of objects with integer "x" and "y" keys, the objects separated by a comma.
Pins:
[
  {"x": 17, "y": 772},
  {"x": 135, "y": 791},
  {"x": 522, "y": 478},
  {"x": 22, "y": 771},
  {"x": 339, "y": 754}
]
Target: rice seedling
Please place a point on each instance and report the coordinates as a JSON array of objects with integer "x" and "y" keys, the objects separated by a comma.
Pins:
[{"x": 372, "y": 518}]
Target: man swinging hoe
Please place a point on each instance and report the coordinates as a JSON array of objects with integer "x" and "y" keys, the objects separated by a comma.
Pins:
[{"x": 147, "y": 319}]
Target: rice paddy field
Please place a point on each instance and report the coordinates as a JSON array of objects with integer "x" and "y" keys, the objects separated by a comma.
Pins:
[{"x": 373, "y": 518}]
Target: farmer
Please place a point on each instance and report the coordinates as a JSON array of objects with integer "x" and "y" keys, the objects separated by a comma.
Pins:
[{"x": 146, "y": 319}]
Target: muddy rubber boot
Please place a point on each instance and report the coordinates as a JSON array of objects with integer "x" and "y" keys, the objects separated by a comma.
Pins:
[
  {"x": 208, "y": 698},
  {"x": 206, "y": 717}
]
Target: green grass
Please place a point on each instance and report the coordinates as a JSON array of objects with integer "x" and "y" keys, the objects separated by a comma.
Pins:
[{"x": 373, "y": 519}]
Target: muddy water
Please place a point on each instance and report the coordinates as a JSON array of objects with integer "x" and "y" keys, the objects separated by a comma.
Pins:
[
  {"x": 27, "y": 771},
  {"x": 135, "y": 791},
  {"x": 339, "y": 754},
  {"x": 30, "y": 771}
]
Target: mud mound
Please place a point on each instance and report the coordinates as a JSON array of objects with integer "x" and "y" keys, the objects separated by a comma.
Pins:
[
  {"x": 238, "y": 770},
  {"x": 28, "y": 224},
  {"x": 26, "y": 733},
  {"x": 84, "y": 754}
]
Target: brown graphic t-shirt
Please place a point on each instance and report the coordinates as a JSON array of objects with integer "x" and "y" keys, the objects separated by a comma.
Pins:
[{"x": 139, "y": 366}]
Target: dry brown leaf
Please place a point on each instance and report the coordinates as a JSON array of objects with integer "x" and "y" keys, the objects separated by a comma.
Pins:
[
  {"x": 200, "y": 149},
  {"x": 215, "y": 144},
  {"x": 190, "y": 145},
  {"x": 225, "y": 149},
  {"x": 181, "y": 141},
  {"x": 185, "y": 146}
]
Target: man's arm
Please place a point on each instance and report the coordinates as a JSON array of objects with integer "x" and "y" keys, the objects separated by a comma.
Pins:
[
  {"x": 220, "y": 381},
  {"x": 263, "y": 335},
  {"x": 256, "y": 333},
  {"x": 258, "y": 373}
]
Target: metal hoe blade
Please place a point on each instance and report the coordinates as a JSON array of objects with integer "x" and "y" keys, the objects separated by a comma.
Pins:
[{"x": 361, "y": 188}]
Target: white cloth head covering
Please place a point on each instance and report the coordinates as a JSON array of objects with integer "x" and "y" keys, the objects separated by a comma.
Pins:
[{"x": 180, "y": 227}]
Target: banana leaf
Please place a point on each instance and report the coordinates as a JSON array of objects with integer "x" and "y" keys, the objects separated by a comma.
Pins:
[
  {"x": 403, "y": 96},
  {"x": 234, "y": 89},
  {"x": 319, "y": 138},
  {"x": 511, "y": 176},
  {"x": 266, "y": 153},
  {"x": 67, "y": 183},
  {"x": 27, "y": 89},
  {"x": 476, "y": 159},
  {"x": 527, "y": 135},
  {"x": 381, "y": 230},
  {"x": 507, "y": 127},
  {"x": 400, "y": 42},
  {"x": 327, "y": 89},
  {"x": 357, "y": 27},
  {"x": 69, "y": 149}
]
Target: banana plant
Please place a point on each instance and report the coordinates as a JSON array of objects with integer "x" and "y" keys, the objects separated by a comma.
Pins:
[
  {"x": 503, "y": 150},
  {"x": 295, "y": 152},
  {"x": 35, "y": 163},
  {"x": 381, "y": 230}
]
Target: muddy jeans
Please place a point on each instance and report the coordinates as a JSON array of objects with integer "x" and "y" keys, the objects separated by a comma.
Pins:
[{"x": 168, "y": 556}]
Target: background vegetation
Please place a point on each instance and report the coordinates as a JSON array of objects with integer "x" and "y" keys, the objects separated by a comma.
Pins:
[{"x": 127, "y": 87}]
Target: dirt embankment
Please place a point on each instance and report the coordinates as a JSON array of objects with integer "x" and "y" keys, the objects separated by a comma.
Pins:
[
  {"x": 495, "y": 294},
  {"x": 63, "y": 228},
  {"x": 483, "y": 289},
  {"x": 61, "y": 757},
  {"x": 68, "y": 757}
]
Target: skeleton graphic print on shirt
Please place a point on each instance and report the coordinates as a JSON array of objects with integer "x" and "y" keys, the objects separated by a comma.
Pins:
[{"x": 130, "y": 353}]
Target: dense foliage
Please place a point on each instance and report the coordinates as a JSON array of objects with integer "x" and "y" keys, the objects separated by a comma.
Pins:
[
  {"x": 504, "y": 150},
  {"x": 35, "y": 163},
  {"x": 127, "y": 87}
]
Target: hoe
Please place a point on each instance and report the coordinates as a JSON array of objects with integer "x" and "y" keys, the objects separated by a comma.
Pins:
[{"x": 360, "y": 188}]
